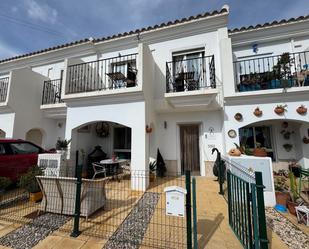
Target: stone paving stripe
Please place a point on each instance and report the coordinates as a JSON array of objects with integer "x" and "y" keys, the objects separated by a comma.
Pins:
[{"x": 131, "y": 232}]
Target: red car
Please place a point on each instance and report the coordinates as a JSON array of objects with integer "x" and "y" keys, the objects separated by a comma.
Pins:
[{"x": 17, "y": 156}]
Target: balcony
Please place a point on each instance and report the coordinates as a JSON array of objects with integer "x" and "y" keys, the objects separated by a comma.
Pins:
[
  {"x": 52, "y": 92},
  {"x": 190, "y": 74},
  {"x": 4, "y": 84},
  {"x": 191, "y": 83},
  {"x": 272, "y": 72},
  {"x": 102, "y": 75}
]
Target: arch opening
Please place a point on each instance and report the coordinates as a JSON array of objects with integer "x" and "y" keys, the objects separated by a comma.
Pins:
[
  {"x": 99, "y": 140},
  {"x": 282, "y": 139},
  {"x": 35, "y": 136}
]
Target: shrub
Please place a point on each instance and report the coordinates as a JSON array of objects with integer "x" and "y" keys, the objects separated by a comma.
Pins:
[
  {"x": 4, "y": 182},
  {"x": 28, "y": 181}
]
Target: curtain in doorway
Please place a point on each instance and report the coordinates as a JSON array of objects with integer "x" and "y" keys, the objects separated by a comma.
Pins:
[{"x": 189, "y": 144}]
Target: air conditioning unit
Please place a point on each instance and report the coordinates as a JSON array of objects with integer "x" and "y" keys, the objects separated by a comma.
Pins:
[{"x": 52, "y": 164}]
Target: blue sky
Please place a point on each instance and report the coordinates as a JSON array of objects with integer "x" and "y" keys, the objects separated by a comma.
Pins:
[{"x": 30, "y": 25}]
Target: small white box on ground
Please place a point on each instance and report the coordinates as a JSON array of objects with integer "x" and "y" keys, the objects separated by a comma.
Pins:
[{"x": 175, "y": 201}]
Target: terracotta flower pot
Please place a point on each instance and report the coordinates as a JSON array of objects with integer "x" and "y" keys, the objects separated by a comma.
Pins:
[
  {"x": 305, "y": 140},
  {"x": 291, "y": 207},
  {"x": 238, "y": 116},
  {"x": 279, "y": 110},
  {"x": 260, "y": 152},
  {"x": 148, "y": 129},
  {"x": 257, "y": 112},
  {"x": 35, "y": 197},
  {"x": 282, "y": 198},
  {"x": 302, "y": 110},
  {"x": 235, "y": 152}
]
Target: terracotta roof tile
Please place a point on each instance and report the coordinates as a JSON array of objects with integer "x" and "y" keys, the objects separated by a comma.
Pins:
[
  {"x": 183, "y": 20},
  {"x": 274, "y": 23}
]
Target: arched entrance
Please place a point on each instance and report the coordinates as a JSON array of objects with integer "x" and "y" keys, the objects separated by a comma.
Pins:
[
  {"x": 2, "y": 134},
  {"x": 35, "y": 136},
  {"x": 103, "y": 139}
]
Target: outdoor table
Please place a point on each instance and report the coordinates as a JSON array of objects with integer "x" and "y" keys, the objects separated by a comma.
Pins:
[{"x": 112, "y": 166}]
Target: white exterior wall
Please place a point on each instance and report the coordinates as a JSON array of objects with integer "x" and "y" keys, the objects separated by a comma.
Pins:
[
  {"x": 299, "y": 150},
  {"x": 7, "y": 121},
  {"x": 53, "y": 68}
]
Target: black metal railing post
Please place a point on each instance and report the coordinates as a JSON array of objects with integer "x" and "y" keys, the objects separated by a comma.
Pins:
[
  {"x": 195, "y": 245},
  {"x": 188, "y": 209},
  {"x": 261, "y": 211},
  {"x": 78, "y": 175}
]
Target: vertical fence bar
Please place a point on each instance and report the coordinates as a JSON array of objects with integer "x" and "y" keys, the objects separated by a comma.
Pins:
[
  {"x": 188, "y": 210},
  {"x": 254, "y": 217},
  {"x": 78, "y": 174},
  {"x": 261, "y": 211},
  {"x": 194, "y": 213}
]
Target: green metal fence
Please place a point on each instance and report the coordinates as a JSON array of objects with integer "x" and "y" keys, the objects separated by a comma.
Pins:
[{"x": 246, "y": 206}]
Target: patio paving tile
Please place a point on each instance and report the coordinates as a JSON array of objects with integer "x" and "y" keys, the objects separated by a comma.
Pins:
[
  {"x": 49, "y": 242},
  {"x": 68, "y": 243}
]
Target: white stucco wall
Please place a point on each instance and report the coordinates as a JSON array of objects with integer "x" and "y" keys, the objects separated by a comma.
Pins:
[
  {"x": 7, "y": 121},
  {"x": 298, "y": 123},
  {"x": 128, "y": 114}
]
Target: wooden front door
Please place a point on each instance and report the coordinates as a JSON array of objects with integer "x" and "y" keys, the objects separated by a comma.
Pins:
[{"x": 189, "y": 146}]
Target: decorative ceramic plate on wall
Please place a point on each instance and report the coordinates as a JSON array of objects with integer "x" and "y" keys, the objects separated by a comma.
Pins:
[{"x": 232, "y": 133}]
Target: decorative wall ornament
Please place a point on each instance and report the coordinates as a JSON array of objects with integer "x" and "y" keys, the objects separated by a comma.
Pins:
[
  {"x": 238, "y": 116},
  {"x": 148, "y": 129},
  {"x": 257, "y": 112},
  {"x": 302, "y": 110},
  {"x": 305, "y": 140},
  {"x": 280, "y": 109},
  {"x": 232, "y": 133},
  {"x": 102, "y": 129}
]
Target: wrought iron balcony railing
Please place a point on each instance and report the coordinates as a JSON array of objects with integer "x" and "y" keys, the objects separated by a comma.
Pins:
[
  {"x": 271, "y": 72},
  {"x": 190, "y": 74},
  {"x": 100, "y": 75},
  {"x": 52, "y": 92},
  {"x": 4, "y": 84}
]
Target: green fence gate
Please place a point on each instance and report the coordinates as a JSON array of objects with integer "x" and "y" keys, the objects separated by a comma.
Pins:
[{"x": 246, "y": 206}]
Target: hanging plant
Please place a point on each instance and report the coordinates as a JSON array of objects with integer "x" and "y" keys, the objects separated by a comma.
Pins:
[
  {"x": 238, "y": 116},
  {"x": 286, "y": 134},
  {"x": 257, "y": 112},
  {"x": 288, "y": 147},
  {"x": 148, "y": 129},
  {"x": 280, "y": 109},
  {"x": 302, "y": 110},
  {"x": 305, "y": 140}
]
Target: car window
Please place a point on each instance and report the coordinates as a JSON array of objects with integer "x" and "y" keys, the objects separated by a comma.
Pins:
[
  {"x": 24, "y": 148},
  {"x": 2, "y": 149}
]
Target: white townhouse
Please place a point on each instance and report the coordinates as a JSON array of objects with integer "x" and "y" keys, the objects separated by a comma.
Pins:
[{"x": 175, "y": 86}]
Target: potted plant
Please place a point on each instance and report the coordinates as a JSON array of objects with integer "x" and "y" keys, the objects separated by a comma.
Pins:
[
  {"x": 294, "y": 167},
  {"x": 257, "y": 112},
  {"x": 302, "y": 110},
  {"x": 28, "y": 182},
  {"x": 62, "y": 145},
  {"x": 280, "y": 109},
  {"x": 281, "y": 188},
  {"x": 259, "y": 151},
  {"x": 295, "y": 200},
  {"x": 288, "y": 147},
  {"x": 152, "y": 170},
  {"x": 238, "y": 116}
]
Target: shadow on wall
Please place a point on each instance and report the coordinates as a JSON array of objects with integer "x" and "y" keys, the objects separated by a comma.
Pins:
[{"x": 2, "y": 134}]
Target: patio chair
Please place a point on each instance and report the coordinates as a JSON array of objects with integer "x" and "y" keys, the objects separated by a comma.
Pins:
[
  {"x": 98, "y": 169},
  {"x": 59, "y": 195}
]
